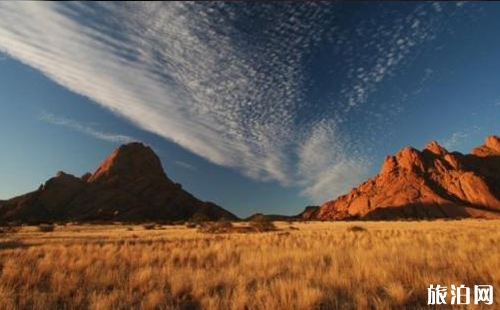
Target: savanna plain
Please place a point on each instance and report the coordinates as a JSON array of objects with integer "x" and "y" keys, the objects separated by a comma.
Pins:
[{"x": 301, "y": 265}]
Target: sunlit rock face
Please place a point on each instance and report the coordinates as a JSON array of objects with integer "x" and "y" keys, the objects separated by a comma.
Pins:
[{"x": 432, "y": 183}]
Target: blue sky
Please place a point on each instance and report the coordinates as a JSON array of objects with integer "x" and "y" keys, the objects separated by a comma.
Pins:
[{"x": 257, "y": 107}]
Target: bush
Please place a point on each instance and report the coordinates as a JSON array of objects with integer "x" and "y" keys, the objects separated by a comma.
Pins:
[
  {"x": 149, "y": 226},
  {"x": 216, "y": 227},
  {"x": 46, "y": 227},
  {"x": 191, "y": 225},
  {"x": 262, "y": 226},
  {"x": 356, "y": 228},
  {"x": 8, "y": 229}
]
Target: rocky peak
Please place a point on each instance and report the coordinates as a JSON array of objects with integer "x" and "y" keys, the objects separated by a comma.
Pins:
[
  {"x": 129, "y": 160},
  {"x": 389, "y": 165},
  {"x": 407, "y": 159},
  {"x": 491, "y": 147},
  {"x": 410, "y": 159},
  {"x": 435, "y": 148},
  {"x": 61, "y": 179},
  {"x": 493, "y": 142},
  {"x": 61, "y": 174}
]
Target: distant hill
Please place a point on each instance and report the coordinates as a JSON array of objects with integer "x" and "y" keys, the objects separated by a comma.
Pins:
[
  {"x": 129, "y": 185},
  {"x": 432, "y": 183},
  {"x": 259, "y": 217},
  {"x": 309, "y": 213}
]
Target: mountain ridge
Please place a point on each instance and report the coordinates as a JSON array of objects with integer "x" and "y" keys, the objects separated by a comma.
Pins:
[
  {"x": 131, "y": 185},
  {"x": 128, "y": 185},
  {"x": 432, "y": 183}
]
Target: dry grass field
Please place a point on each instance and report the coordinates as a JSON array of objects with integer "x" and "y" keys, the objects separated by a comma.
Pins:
[{"x": 386, "y": 265}]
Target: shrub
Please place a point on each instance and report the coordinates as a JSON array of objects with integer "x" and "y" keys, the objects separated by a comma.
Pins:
[
  {"x": 46, "y": 227},
  {"x": 8, "y": 229},
  {"x": 216, "y": 227},
  {"x": 149, "y": 226},
  {"x": 263, "y": 225},
  {"x": 356, "y": 228}
]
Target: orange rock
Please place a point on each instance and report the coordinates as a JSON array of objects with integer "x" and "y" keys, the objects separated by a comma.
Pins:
[{"x": 432, "y": 183}]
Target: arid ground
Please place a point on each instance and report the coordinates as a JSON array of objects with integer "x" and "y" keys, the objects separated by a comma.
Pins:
[{"x": 321, "y": 265}]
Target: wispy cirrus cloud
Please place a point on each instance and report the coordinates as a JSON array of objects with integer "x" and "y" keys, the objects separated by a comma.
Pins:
[
  {"x": 185, "y": 165},
  {"x": 455, "y": 140},
  {"x": 195, "y": 74},
  {"x": 324, "y": 163},
  {"x": 85, "y": 129},
  {"x": 458, "y": 138}
]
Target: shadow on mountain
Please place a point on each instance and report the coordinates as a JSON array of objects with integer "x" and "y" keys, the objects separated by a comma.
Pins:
[
  {"x": 487, "y": 166},
  {"x": 421, "y": 211}
]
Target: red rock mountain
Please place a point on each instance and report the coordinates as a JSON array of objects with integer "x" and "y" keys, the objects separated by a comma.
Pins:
[
  {"x": 432, "y": 183},
  {"x": 129, "y": 185}
]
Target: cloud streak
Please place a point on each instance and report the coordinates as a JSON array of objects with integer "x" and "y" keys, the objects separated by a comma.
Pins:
[
  {"x": 458, "y": 138},
  {"x": 88, "y": 130},
  {"x": 455, "y": 140},
  {"x": 195, "y": 75},
  {"x": 185, "y": 165}
]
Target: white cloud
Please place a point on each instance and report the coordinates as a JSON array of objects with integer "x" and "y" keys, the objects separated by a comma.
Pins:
[
  {"x": 458, "y": 138},
  {"x": 455, "y": 140},
  {"x": 437, "y": 7},
  {"x": 185, "y": 165},
  {"x": 393, "y": 50},
  {"x": 184, "y": 72},
  {"x": 196, "y": 99},
  {"x": 88, "y": 130},
  {"x": 336, "y": 180},
  {"x": 327, "y": 165}
]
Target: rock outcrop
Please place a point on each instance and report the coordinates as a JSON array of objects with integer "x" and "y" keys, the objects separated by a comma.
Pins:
[
  {"x": 309, "y": 213},
  {"x": 432, "y": 183},
  {"x": 129, "y": 185}
]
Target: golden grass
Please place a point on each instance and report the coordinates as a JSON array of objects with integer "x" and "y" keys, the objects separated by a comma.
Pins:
[{"x": 304, "y": 266}]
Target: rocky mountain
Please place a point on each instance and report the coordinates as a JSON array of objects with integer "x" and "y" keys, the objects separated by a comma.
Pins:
[
  {"x": 129, "y": 185},
  {"x": 309, "y": 213},
  {"x": 432, "y": 183}
]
